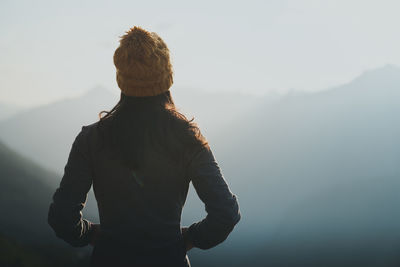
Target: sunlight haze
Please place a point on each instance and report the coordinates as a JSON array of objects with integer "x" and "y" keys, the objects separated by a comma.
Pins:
[{"x": 54, "y": 49}]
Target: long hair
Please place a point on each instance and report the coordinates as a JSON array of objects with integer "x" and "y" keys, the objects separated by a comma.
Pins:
[{"x": 135, "y": 123}]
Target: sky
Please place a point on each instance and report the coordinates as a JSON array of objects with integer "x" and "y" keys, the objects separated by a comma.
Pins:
[{"x": 50, "y": 49}]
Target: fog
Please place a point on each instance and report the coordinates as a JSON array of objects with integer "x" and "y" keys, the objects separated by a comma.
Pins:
[{"x": 316, "y": 174}]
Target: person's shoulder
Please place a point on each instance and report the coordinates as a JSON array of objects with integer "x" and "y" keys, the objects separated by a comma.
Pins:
[
  {"x": 90, "y": 127},
  {"x": 87, "y": 136},
  {"x": 91, "y": 131}
]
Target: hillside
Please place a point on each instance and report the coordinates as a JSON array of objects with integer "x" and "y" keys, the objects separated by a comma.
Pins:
[
  {"x": 25, "y": 195},
  {"x": 311, "y": 169},
  {"x": 26, "y": 192},
  {"x": 45, "y": 134},
  {"x": 288, "y": 150}
]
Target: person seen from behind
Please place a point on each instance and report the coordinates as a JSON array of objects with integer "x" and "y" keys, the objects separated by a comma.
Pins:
[{"x": 140, "y": 158}]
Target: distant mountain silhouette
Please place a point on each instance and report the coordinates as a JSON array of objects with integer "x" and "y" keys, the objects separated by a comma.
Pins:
[
  {"x": 45, "y": 134},
  {"x": 286, "y": 158},
  {"x": 26, "y": 191},
  {"x": 291, "y": 148},
  {"x": 25, "y": 194},
  {"x": 215, "y": 111}
]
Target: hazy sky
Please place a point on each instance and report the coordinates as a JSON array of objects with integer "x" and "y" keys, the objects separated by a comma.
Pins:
[{"x": 53, "y": 49}]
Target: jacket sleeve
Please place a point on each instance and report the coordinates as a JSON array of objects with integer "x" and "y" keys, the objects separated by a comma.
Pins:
[
  {"x": 220, "y": 204},
  {"x": 65, "y": 216}
]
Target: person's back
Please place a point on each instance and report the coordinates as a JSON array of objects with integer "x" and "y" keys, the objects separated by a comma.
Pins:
[{"x": 140, "y": 159}]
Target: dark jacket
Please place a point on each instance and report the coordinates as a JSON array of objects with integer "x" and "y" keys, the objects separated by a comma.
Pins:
[{"x": 141, "y": 210}]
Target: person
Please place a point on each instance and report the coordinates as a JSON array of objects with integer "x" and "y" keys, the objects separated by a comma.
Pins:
[{"x": 140, "y": 158}]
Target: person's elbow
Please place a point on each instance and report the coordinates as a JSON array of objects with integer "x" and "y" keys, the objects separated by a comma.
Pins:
[
  {"x": 228, "y": 217},
  {"x": 221, "y": 227},
  {"x": 65, "y": 228},
  {"x": 232, "y": 214}
]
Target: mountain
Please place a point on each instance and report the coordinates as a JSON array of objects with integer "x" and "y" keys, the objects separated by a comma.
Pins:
[
  {"x": 26, "y": 192},
  {"x": 215, "y": 111},
  {"x": 312, "y": 168},
  {"x": 45, "y": 134},
  {"x": 25, "y": 195},
  {"x": 290, "y": 148}
]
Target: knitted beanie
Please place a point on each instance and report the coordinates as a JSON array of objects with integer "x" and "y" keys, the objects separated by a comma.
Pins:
[{"x": 143, "y": 64}]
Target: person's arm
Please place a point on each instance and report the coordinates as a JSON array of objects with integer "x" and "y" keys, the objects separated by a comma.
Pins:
[
  {"x": 65, "y": 216},
  {"x": 221, "y": 205}
]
